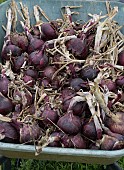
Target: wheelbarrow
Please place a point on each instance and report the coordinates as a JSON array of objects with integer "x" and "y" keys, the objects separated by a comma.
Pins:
[{"x": 9, "y": 150}]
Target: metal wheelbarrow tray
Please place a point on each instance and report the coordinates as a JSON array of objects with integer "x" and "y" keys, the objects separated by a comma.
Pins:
[{"x": 52, "y": 9}]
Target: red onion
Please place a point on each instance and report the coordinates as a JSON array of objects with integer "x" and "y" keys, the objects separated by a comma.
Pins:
[
  {"x": 121, "y": 58},
  {"x": 78, "y": 142},
  {"x": 56, "y": 142},
  {"x": 34, "y": 44},
  {"x": 78, "y": 48},
  {"x": 79, "y": 108},
  {"x": 89, "y": 73},
  {"x": 23, "y": 97},
  {"x": 115, "y": 124},
  {"x": 110, "y": 84},
  {"x": 29, "y": 80},
  {"x": 69, "y": 123},
  {"x": 29, "y": 133},
  {"x": 32, "y": 73},
  {"x": 38, "y": 59},
  {"x": 66, "y": 142},
  {"x": 6, "y": 105},
  {"x": 78, "y": 83},
  {"x": 45, "y": 82},
  {"x": 49, "y": 31},
  {"x": 18, "y": 62},
  {"x": 88, "y": 130},
  {"x": 107, "y": 142},
  {"x": 48, "y": 113},
  {"x": 8, "y": 133},
  {"x": 120, "y": 81},
  {"x": 67, "y": 94},
  {"x": 4, "y": 82},
  {"x": 19, "y": 40},
  {"x": 49, "y": 71},
  {"x": 10, "y": 50}
]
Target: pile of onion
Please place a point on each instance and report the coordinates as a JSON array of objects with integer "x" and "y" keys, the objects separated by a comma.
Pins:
[{"x": 61, "y": 85}]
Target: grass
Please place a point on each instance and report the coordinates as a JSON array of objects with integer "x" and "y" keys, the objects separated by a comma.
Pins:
[
  {"x": 31, "y": 164},
  {"x": 53, "y": 165}
]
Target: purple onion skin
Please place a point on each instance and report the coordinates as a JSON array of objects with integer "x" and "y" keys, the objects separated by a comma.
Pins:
[
  {"x": 4, "y": 82},
  {"x": 89, "y": 73},
  {"x": 58, "y": 136},
  {"x": 88, "y": 130},
  {"x": 17, "y": 95},
  {"x": 94, "y": 147},
  {"x": 45, "y": 82},
  {"x": 29, "y": 133},
  {"x": 78, "y": 83},
  {"x": 79, "y": 108},
  {"x": 15, "y": 51},
  {"x": 19, "y": 40},
  {"x": 67, "y": 94},
  {"x": 38, "y": 59},
  {"x": 6, "y": 105},
  {"x": 48, "y": 72},
  {"x": 116, "y": 125},
  {"x": 48, "y": 31},
  {"x": 70, "y": 124},
  {"x": 120, "y": 81},
  {"x": 110, "y": 84},
  {"x": 32, "y": 73},
  {"x": 65, "y": 105},
  {"x": 35, "y": 44},
  {"x": 121, "y": 58},
  {"x": 29, "y": 80},
  {"x": 48, "y": 113},
  {"x": 107, "y": 142},
  {"x": 78, "y": 142},
  {"x": 18, "y": 62},
  {"x": 66, "y": 141},
  {"x": 10, "y": 133},
  {"x": 78, "y": 48}
]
